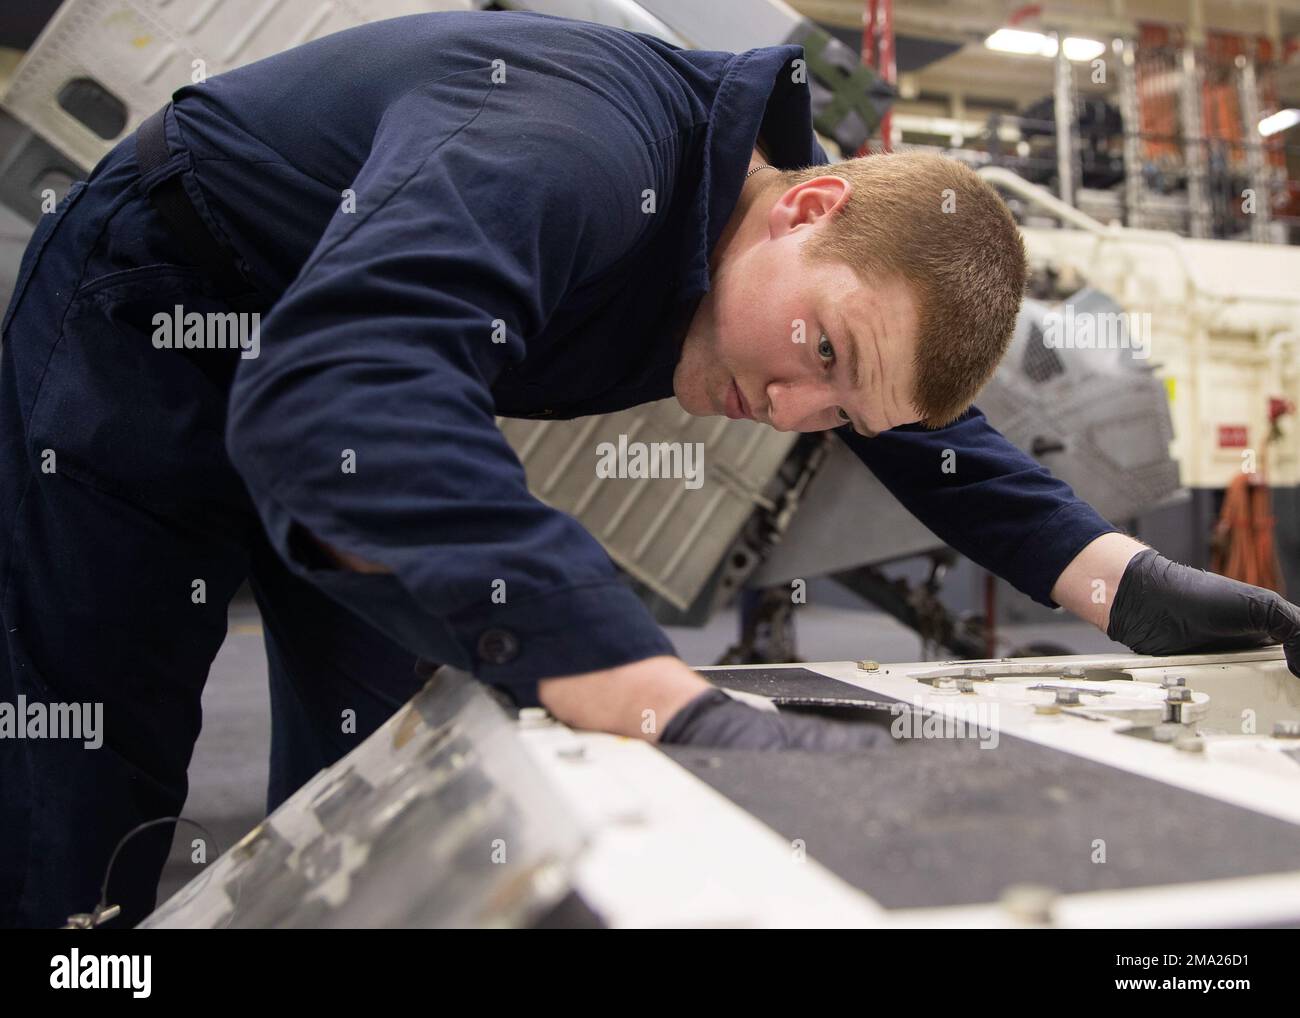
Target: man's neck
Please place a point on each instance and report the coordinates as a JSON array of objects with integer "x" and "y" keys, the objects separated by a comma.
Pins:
[{"x": 749, "y": 191}]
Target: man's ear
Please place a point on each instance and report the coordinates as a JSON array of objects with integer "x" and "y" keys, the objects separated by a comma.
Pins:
[{"x": 805, "y": 204}]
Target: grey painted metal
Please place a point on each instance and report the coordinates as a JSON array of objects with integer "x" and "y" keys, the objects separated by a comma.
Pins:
[
  {"x": 392, "y": 835},
  {"x": 847, "y": 518},
  {"x": 1097, "y": 418},
  {"x": 440, "y": 818},
  {"x": 616, "y": 13},
  {"x": 31, "y": 165},
  {"x": 733, "y": 25}
]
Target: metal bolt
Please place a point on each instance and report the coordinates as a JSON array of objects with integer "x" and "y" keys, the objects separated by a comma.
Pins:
[
  {"x": 533, "y": 717},
  {"x": 1067, "y": 697},
  {"x": 551, "y": 880},
  {"x": 1075, "y": 672},
  {"x": 1287, "y": 729},
  {"x": 1030, "y": 903},
  {"x": 1173, "y": 680},
  {"x": 965, "y": 686},
  {"x": 1178, "y": 694},
  {"x": 869, "y": 666}
]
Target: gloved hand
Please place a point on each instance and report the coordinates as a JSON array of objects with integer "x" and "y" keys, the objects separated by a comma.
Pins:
[
  {"x": 1162, "y": 607},
  {"x": 715, "y": 720}
]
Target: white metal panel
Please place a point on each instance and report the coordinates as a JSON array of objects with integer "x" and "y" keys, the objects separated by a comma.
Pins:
[{"x": 143, "y": 50}]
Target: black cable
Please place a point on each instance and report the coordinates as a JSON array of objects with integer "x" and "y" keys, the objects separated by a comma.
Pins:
[{"x": 108, "y": 872}]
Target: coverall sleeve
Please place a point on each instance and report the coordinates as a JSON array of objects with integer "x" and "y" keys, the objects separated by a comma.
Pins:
[
  {"x": 368, "y": 420},
  {"x": 985, "y": 498}
]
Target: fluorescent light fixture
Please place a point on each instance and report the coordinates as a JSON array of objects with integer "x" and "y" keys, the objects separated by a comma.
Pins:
[
  {"x": 1279, "y": 121},
  {"x": 1078, "y": 48},
  {"x": 1040, "y": 44},
  {"x": 1017, "y": 40}
]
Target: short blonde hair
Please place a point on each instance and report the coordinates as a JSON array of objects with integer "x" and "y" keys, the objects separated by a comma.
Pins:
[{"x": 934, "y": 223}]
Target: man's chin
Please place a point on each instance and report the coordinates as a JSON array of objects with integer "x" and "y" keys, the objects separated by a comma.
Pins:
[
  {"x": 695, "y": 403},
  {"x": 695, "y": 410}
]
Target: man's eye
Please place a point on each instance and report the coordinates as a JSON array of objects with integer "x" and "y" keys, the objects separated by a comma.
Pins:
[{"x": 825, "y": 349}]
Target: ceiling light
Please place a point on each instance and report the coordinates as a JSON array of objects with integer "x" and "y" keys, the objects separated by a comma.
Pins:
[
  {"x": 1017, "y": 40},
  {"x": 1279, "y": 121},
  {"x": 1078, "y": 48},
  {"x": 1040, "y": 44}
]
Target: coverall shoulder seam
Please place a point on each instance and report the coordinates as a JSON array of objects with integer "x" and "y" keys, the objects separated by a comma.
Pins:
[
  {"x": 322, "y": 253},
  {"x": 623, "y": 115},
  {"x": 282, "y": 159},
  {"x": 397, "y": 188}
]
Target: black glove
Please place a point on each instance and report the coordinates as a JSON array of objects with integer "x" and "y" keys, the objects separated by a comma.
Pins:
[
  {"x": 1162, "y": 607},
  {"x": 715, "y": 720}
]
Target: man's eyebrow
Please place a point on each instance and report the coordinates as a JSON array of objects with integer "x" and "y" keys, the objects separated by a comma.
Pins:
[
  {"x": 855, "y": 372},
  {"x": 855, "y": 365}
]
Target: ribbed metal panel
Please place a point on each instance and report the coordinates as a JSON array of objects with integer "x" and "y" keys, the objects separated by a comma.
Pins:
[{"x": 665, "y": 534}]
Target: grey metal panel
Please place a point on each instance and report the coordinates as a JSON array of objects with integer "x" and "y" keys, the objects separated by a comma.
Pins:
[
  {"x": 727, "y": 26},
  {"x": 616, "y": 13},
  {"x": 19, "y": 201},
  {"x": 29, "y": 166},
  {"x": 440, "y": 818},
  {"x": 1104, "y": 408},
  {"x": 845, "y": 519},
  {"x": 666, "y": 535}
]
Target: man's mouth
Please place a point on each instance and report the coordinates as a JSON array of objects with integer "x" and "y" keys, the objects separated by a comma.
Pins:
[{"x": 736, "y": 408}]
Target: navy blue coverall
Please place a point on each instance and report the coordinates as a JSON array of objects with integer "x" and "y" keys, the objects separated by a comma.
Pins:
[{"x": 394, "y": 199}]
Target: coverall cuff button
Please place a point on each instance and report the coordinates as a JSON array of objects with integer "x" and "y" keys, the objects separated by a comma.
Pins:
[{"x": 498, "y": 646}]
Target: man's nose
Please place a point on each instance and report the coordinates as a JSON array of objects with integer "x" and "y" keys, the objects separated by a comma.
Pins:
[{"x": 793, "y": 403}]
